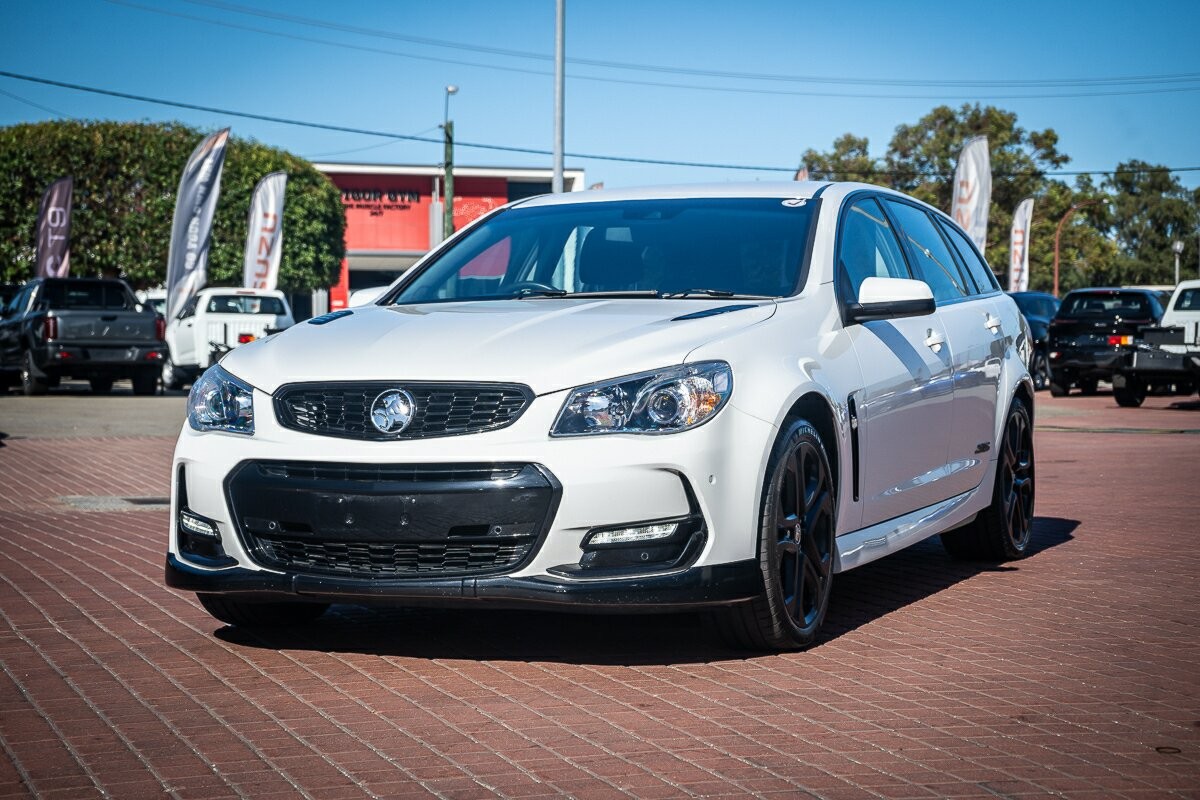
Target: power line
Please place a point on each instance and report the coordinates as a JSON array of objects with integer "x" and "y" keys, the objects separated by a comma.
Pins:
[
  {"x": 663, "y": 84},
  {"x": 536, "y": 151},
  {"x": 708, "y": 73}
]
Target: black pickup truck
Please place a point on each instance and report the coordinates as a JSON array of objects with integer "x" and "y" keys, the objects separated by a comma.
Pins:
[
  {"x": 89, "y": 328},
  {"x": 1092, "y": 333}
]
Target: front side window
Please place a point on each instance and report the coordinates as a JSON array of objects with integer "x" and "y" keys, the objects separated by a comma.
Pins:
[
  {"x": 867, "y": 248},
  {"x": 931, "y": 258},
  {"x": 748, "y": 247}
]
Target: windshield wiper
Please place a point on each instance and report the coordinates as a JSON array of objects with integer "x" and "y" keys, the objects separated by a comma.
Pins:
[
  {"x": 547, "y": 292},
  {"x": 704, "y": 292}
]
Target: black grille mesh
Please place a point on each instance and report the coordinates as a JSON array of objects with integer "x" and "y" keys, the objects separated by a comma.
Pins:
[
  {"x": 442, "y": 409},
  {"x": 393, "y": 559}
]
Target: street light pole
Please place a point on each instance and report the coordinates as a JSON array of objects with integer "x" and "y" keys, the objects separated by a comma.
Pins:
[
  {"x": 560, "y": 13},
  {"x": 1061, "y": 223},
  {"x": 1177, "y": 248},
  {"x": 448, "y": 167}
]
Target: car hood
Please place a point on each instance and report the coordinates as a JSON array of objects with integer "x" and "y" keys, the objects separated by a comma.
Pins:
[{"x": 546, "y": 344}]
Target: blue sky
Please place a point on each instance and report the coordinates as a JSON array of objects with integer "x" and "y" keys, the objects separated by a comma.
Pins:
[{"x": 902, "y": 58}]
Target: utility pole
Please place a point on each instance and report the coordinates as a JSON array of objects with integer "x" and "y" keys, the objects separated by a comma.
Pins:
[
  {"x": 560, "y": 13},
  {"x": 448, "y": 166}
]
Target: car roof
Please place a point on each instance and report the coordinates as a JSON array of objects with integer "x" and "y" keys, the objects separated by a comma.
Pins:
[{"x": 781, "y": 189}]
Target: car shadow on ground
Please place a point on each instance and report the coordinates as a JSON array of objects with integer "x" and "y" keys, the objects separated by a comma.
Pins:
[{"x": 859, "y": 598}]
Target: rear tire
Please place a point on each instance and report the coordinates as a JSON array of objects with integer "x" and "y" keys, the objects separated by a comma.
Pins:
[
  {"x": 32, "y": 383},
  {"x": 796, "y": 549},
  {"x": 1001, "y": 532},
  {"x": 1131, "y": 395},
  {"x": 260, "y": 615},
  {"x": 145, "y": 382},
  {"x": 100, "y": 385}
]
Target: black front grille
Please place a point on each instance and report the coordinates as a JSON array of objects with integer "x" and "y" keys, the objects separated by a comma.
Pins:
[
  {"x": 391, "y": 520},
  {"x": 441, "y": 409}
]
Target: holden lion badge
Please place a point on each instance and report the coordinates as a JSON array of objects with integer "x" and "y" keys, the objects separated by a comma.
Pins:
[{"x": 392, "y": 410}]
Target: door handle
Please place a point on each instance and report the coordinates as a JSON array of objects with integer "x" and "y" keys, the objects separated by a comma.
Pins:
[
  {"x": 992, "y": 323},
  {"x": 934, "y": 340}
]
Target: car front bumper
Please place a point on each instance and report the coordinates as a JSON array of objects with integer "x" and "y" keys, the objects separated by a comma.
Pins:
[{"x": 708, "y": 478}]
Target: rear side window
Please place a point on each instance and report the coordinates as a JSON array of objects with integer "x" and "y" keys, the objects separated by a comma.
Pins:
[
  {"x": 984, "y": 278},
  {"x": 868, "y": 248},
  {"x": 65, "y": 295},
  {"x": 932, "y": 259}
]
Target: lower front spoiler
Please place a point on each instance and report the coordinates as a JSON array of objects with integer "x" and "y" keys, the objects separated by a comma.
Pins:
[{"x": 688, "y": 589}]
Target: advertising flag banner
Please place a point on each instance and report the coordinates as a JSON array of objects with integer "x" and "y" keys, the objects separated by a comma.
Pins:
[
  {"x": 802, "y": 173},
  {"x": 54, "y": 230},
  {"x": 973, "y": 190},
  {"x": 264, "y": 241},
  {"x": 1018, "y": 264},
  {"x": 187, "y": 259}
]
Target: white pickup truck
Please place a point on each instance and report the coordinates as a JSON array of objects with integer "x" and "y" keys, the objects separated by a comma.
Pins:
[{"x": 214, "y": 322}]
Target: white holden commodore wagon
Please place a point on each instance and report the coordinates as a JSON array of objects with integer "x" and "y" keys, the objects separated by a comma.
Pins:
[{"x": 673, "y": 399}]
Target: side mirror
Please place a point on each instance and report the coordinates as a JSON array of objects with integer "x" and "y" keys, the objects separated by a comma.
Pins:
[{"x": 891, "y": 298}]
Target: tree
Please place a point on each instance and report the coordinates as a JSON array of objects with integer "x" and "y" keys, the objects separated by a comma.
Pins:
[
  {"x": 849, "y": 161},
  {"x": 126, "y": 178},
  {"x": 1150, "y": 210}
]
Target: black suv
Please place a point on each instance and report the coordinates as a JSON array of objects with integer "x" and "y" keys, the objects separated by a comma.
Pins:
[
  {"x": 1038, "y": 308},
  {"x": 1093, "y": 331}
]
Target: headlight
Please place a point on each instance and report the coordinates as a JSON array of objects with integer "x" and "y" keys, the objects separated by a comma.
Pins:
[
  {"x": 664, "y": 401},
  {"x": 221, "y": 402}
]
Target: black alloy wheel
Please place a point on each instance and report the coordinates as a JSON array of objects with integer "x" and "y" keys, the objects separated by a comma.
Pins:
[
  {"x": 796, "y": 548},
  {"x": 1002, "y": 531}
]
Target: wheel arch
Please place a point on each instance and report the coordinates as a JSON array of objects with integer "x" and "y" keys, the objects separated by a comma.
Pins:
[{"x": 817, "y": 410}]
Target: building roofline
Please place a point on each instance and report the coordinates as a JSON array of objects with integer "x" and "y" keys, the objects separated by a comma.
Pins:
[{"x": 512, "y": 173}]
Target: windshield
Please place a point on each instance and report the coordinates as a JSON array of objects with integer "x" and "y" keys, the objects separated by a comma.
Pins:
[
  {"x": 648, "y": 248},
  {"x": 1107, "y": 305}
]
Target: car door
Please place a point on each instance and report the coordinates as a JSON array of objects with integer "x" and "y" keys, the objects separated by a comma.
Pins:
[
  {"x": 976, "y": 330},
  {"x": 181, "y": 335},
  {"x": 907, "y": 392}
]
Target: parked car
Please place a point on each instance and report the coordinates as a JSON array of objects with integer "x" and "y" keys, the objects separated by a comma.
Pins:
[
  {"x": 91, "y": 328},
  {"x": 1092, "y": 333},
  {"x": 1038, "y": 309},
  {"x": 713, "y": 397},
  {"x": 215, "y": 321},
  {"x": 1165, "y": 359}
]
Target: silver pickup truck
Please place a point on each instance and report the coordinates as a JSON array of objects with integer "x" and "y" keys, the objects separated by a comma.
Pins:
[{"x": 91, "y": 328}]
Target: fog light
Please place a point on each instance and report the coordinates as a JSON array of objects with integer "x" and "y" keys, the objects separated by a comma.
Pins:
[
  {"x": 643, "y": 533},
  {"x": 198, "y": 525}
]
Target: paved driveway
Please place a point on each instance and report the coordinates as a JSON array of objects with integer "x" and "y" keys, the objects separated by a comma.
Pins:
[{"x": 1073, "y": 673}]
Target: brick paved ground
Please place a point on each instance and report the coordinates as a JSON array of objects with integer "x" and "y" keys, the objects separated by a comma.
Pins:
[{"x": 1074, "y": 673}]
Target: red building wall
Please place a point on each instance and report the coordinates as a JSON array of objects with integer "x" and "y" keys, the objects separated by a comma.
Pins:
[{"x": 392, "y": 213}]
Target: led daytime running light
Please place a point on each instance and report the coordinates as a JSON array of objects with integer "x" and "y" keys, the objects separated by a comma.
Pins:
[{"x": 642, "y": 533}]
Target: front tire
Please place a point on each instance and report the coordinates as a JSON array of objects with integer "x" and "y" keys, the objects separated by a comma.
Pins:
[
  {"x": 1060, "y": 383},
  {"x": 260, "y": 615},
  {"x": 796, "y": 547},
  {"x": 1001, "y": 532}
]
